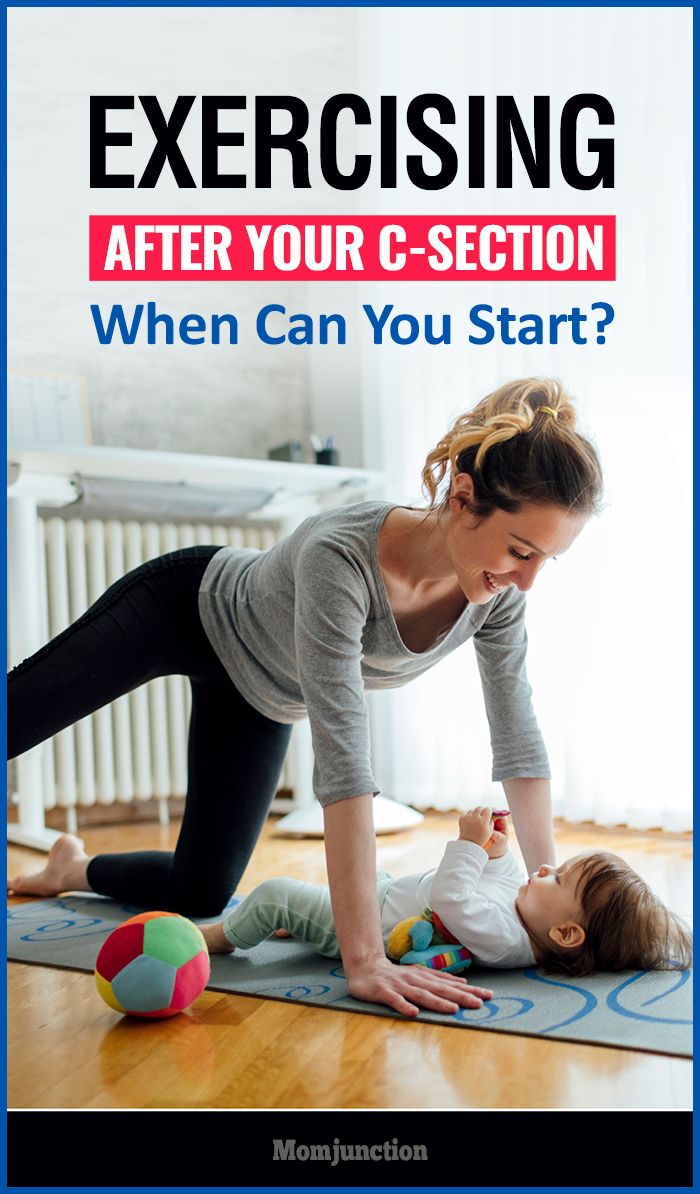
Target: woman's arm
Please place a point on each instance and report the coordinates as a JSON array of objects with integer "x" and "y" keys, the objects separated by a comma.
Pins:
[
  {"x": 518, "y": 749},
  {"x": 530, "y": 801},
  {"x": 352, "y": 877}
]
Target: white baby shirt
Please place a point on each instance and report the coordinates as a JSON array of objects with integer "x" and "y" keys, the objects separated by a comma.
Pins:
[{"x": 474, "y": 897}]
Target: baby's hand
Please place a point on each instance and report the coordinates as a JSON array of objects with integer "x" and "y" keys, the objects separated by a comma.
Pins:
[
  {"x": 497, "y": 845},
  {"x": 475, "y": 826}
]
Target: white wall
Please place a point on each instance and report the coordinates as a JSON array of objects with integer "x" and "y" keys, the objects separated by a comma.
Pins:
[
  {"x": 233, "y": 401},
  {"x": 610, "y": 625}
]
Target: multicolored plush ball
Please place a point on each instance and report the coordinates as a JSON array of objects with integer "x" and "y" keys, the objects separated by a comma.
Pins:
[{"x": 153, "y": 965}]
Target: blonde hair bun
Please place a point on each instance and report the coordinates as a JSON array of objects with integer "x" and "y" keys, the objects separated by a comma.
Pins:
[{"x": 520, "y": 443}]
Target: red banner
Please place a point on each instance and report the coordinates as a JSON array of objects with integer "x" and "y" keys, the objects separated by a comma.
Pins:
[{"x": 332, "y": 249}]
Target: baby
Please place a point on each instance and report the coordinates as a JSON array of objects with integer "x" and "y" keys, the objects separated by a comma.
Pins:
[{"x": 591, "y": 913}]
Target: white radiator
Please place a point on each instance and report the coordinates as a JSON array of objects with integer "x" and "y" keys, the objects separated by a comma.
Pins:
[{"x": 135, "y": 748}]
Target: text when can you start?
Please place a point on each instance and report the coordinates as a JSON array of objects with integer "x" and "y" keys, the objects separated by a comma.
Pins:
[
  {"x": 274, "y": 325},
  {"x": 454, "y": 145}
]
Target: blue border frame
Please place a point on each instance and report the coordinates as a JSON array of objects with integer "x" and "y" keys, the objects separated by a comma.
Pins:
[{"x": 656, "y": 495}]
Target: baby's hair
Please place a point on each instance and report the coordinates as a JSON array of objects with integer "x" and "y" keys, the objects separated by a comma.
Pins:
[
  {"x": 627, "y": 927},
  {"x": 519, "y": 444}
]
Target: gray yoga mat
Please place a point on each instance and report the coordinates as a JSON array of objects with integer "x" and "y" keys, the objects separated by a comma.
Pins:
[{"x": 632, "y": 1010}]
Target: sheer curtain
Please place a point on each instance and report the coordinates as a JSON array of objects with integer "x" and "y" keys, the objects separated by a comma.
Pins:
[{"x": 610, "y": 622}]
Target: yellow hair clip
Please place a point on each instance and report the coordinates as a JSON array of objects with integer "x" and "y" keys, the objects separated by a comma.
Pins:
[{"x": 548, "y": 410}]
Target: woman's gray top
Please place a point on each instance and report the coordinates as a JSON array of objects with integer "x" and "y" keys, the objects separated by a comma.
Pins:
[{"x": 306, "y": 626}]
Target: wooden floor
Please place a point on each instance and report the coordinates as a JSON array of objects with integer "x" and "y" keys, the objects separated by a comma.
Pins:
[{"x": 67, "y": 1049}]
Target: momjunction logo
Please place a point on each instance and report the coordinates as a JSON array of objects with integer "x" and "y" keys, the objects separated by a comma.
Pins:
[{"x": 388, "y": 1150}]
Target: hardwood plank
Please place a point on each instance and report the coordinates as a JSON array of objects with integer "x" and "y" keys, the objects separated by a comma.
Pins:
[{"x": 68, "y": 1049}]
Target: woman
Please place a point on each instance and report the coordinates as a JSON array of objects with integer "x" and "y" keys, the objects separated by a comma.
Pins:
[{"x": 364, "y": 597}]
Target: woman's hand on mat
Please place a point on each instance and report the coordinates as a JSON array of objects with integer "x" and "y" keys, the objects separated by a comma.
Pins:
[{"x": 407, "y": 989}]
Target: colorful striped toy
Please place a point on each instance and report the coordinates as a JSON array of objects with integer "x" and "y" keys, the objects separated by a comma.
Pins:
[
  {"x": 451, "y": 958},
  {"x": 424, "y": 941}
]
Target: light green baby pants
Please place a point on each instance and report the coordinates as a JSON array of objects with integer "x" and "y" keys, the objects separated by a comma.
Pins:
[{"x": 303, "y": 909}]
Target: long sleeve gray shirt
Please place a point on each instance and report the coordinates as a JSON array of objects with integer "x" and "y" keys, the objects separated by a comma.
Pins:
[{"x": 305, "y": 628}]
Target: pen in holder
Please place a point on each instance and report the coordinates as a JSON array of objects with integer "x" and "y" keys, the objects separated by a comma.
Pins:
[{"x": 326, "y": 454}]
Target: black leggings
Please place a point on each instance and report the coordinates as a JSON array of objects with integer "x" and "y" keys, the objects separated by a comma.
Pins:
[{"x": 148, "y": 625}]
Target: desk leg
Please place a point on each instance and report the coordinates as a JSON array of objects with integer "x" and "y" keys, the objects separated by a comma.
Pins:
[{"x": 24, "y": 638}]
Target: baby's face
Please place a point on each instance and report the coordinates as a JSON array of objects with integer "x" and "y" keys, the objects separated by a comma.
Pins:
[{"x": 550, "y": 898}]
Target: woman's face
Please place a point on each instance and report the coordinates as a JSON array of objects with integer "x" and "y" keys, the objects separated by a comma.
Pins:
[{"x": 490, "y": 554}]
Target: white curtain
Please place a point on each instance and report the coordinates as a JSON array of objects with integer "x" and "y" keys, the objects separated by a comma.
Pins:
[{"x": 610, "y": 622}]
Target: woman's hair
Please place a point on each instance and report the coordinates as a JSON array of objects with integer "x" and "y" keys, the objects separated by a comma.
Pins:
[
  {"x": 627, "y": 927},
  {"x": 518, "y": 444}
]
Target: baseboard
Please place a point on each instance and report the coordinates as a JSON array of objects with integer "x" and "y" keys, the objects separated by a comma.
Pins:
[{"x": 135, "y": 812}]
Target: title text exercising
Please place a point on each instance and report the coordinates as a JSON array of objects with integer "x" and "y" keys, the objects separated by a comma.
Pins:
[{"x": 308, "y": 248}]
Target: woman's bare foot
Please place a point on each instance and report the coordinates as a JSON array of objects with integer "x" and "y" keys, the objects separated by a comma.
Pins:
[
  {"x": 282, "y": 933},
  {"x": 217, "y": 942},
  {"x": 65, "y": 870}
]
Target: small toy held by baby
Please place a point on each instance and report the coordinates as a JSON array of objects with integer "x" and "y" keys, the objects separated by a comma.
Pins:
[
  {"x": 424, "y": 941},
  {"x": 499, "y": 824}
]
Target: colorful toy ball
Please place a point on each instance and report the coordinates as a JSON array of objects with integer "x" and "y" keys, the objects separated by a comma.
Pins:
[{"x": 153, "y": 965}]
